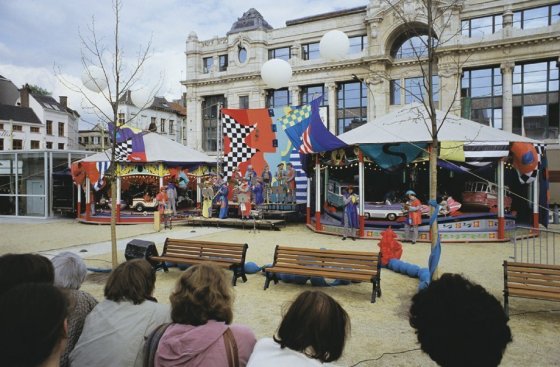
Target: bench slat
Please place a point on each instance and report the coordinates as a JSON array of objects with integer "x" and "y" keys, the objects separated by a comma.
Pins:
[
  {"x": 552, "y": 281},
  {"x": 532, "y": 266},
  {"x": 538, "y": 287},
  {"x": 325, "y": 274},
  {"x": 191, "y": 261},
  {"x": 529, "y": 293}
]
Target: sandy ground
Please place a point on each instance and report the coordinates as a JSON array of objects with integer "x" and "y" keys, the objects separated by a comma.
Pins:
[{"x": 377, "y": 328}]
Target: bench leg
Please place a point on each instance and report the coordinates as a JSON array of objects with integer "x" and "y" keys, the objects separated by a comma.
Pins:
[
  {"x": 378, "y": 287},
  {"x": 234, "y": 280},
  {"x": 266, "y": 281},
  {"x": 373, "y": 293},
  {"x": 506, "y": 304}
]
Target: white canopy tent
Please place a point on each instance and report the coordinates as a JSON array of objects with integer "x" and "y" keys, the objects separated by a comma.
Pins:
[
  {"x": 161, "y": 149},
  {"x": 412, "y": 124}
]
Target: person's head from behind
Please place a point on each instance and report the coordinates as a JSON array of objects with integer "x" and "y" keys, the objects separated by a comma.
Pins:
[
  {"x": 203, "y": 293},
  {"x": 17, "y": 269},
  {"x": 458, "y": 323},
  {"x": 133, "y": 281},
  {"x": 69, "y": 270},
  {"x": 33, "y": 320},
  {"x": 316, "y": 325}
]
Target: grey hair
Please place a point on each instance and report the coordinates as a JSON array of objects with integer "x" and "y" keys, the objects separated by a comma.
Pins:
[{"x": 69, "y": 270}]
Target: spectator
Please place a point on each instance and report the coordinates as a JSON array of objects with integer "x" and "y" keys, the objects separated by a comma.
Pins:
[
  {"x": 69, "y": 273},
  {"x": 202, "y": 315},
  {"x": 17, "y": 269},
  {"x": 114, "y": 332},
  {"x": 460, "y": 324},
  {"x": 312, "y": 333},
  {"x": 33, "y": 320}
]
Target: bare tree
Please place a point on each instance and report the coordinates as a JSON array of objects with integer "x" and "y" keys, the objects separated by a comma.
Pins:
[
  {"x": 115, "y": 81},
  {"x": 437, "y": 16}
]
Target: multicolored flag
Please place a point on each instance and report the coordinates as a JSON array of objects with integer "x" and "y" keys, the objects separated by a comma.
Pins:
[
  {"x": 130, "y": 144},
  {"x": 309, "y": 134}
]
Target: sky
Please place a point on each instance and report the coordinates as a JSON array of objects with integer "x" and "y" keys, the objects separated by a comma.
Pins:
[{"x": 40, "y": 39}]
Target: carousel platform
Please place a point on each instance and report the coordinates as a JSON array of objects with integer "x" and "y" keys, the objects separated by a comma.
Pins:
[
  {"x": 463, "y": 227},
  {"x": 251, "y": 224}
]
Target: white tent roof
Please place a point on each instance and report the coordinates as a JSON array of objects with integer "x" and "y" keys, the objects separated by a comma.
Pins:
[
  {"x": 161, "y": 149},
  {"x": 412, "y": 124}
]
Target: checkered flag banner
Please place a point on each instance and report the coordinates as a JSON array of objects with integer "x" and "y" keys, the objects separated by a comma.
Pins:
[
  {"x": 239, "y": 151},
  {"x": 122, "y": 150}
]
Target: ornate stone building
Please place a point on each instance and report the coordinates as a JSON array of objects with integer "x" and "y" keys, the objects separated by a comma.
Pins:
[{"x": 497, "y": 63}]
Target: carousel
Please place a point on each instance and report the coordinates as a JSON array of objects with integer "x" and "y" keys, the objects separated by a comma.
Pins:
[
  {"x": 488, "y": 179},
  {"x": 150, "y": 162}
]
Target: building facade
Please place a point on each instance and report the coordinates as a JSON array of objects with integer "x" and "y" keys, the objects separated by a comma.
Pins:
[
  {"x": 497, "y": 64},
  {"x": 34, "y": 121},
  {"x": 95, "y": 139},
  {"x": 162, "y": 117}
]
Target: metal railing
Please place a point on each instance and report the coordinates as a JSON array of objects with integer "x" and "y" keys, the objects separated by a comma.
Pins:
[{"x": 537, "y": 246}]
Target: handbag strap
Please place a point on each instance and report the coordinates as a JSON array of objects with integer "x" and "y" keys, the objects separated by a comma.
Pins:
[
  {"x": 151, "y": 344},
  {"x": 231, "y": 348}
]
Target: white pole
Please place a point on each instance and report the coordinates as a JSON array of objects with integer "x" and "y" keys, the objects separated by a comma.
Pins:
[
  {"x": 361, "y": 187},
  {"x": 118, "y": 192},
  {"x": 317, "y": 187},
  {"x": 198, "y": 192},
  {"x": 501, "y": 201},
  {"x": 536, "y": 202},
  {"x": 219, "y": 142}
]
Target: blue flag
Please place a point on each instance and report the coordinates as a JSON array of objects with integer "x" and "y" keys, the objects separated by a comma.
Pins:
[{"x": 311, "y": 135}]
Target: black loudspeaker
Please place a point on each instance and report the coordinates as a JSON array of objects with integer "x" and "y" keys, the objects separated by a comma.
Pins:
[{"x": 139, "y": 249}]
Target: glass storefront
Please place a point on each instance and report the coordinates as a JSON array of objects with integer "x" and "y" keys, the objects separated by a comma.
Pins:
[{"x": 26, "y": 181}]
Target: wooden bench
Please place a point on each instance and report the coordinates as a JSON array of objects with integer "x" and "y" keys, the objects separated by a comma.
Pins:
[
  {"x": 526, "y": 280},
  {"x": 345, "y": 265},
  {"x": 190, "y": 252}
]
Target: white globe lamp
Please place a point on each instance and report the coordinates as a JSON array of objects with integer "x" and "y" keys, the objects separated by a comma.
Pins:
[
  {"x": 334, "y": 45},
  {"x": 276, "y": 73},
  {"x": 94, "y": 79},
  {"x": 142, "y": 97}
]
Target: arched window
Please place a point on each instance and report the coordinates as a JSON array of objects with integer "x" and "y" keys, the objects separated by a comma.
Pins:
[{"x": 409, "y": 45}]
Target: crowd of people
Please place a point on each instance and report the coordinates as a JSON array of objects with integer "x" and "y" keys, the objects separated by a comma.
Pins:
[
  {"x": 47, "y": 321},
  {"x": 249, "y": 191}
]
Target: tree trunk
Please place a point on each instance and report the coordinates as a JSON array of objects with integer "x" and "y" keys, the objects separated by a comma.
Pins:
[{"x": 114, "y": 204}]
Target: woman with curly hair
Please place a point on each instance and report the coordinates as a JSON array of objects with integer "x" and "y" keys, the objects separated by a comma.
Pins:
[
  {"x": 202, "y": 333},
  {"x": 313, "y": 332}
]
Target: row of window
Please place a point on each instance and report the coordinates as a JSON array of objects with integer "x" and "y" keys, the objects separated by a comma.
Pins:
[
  {"x": 523, "y": 19},
  {"x": 17, "y": 144},
  {"x": 36, "y": 129},
  {"x": 535, "y": 93},
  {"x": 95, "y": 140},
  {"x": 309, "y": 51},
  {"x": 208, "y": 62},
  {"x": 162, "y": 125}
]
